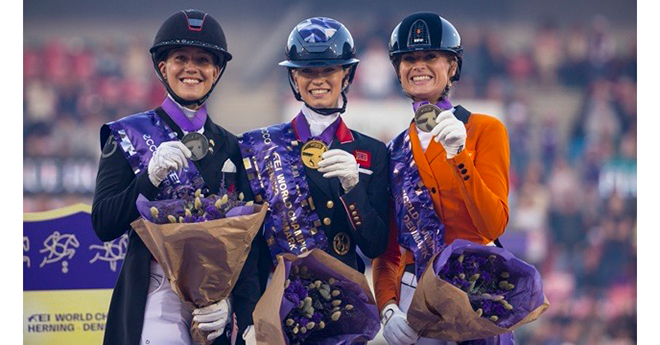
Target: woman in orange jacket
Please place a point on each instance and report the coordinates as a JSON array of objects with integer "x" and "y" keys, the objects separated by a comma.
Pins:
[{"x": 449, "y": 173}]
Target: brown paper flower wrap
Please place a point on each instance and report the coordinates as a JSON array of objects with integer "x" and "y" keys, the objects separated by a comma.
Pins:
[
  {"x": 440, "y": 310},
  {"x": 270, "y": 309},
  {"x": 202, "y": 260}
]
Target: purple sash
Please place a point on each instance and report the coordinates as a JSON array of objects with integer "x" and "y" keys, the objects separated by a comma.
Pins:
[
  {"x": 421, "y": 231},
  {"x": 138, "y": 136},
  {"x": 272, "y": 162}
]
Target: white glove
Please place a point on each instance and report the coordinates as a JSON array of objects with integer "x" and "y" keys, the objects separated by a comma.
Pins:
[
  {"x": 170, "y": 155},
  {"x": 213, "y": 318},
  {"x": 250, "y": 336},
  {"x": 450, "y": 132},
  {"x": 339, "y": 163},
  {"x": 397, "y": 331}
]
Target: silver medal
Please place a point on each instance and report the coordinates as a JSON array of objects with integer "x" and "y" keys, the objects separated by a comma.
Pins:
[
  {"x": 425, "y": 117},
  {"x": 197, "y": 143}
]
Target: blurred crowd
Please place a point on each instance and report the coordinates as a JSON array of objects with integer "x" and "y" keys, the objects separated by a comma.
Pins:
[{"x": 573, "y": 160}]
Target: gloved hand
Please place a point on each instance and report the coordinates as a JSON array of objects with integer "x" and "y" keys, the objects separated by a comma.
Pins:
[
  {"x": 170, "y": 155},
  {"x": 213, "y": 318},
  {"x": 250, "y": 336},
  {"x": 341, "y": 164},
  {"x": 396, "y": 330},
  {"x": 450, "y": 132}
]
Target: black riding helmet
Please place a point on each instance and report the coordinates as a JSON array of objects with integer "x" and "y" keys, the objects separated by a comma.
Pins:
[
  {"x": 190, "y": 28},
  {"x": 425, "y": 31},
  {"x": 320, "y": 41}
]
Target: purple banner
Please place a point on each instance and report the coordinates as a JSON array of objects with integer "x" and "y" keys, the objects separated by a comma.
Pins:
[
  {"x": 420, "y": 229},
  {"x": 61, "y": 252},
  {"x": 139, "y": 136},
  {"x": 272, "y": 162}
]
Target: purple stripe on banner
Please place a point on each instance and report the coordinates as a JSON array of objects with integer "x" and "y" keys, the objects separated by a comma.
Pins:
[
  {"x": 421, "y": 231},
  {"x": 65, "y": 254},
  {"x": 272, "y": 162}
]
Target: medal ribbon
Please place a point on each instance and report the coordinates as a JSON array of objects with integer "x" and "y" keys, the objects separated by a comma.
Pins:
[
  {"x": 301, "y": 127},
  {"x": 443, "y": 104},
  {"x": 189, "y": 125},
  {"x": 275, "y": 170},
  {"x": 421, "y": 230}
]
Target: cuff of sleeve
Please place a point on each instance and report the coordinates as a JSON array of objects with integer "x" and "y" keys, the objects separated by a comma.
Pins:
[
  {"x": 351, "y": 204},
  {"x": 145, "y": 187}
]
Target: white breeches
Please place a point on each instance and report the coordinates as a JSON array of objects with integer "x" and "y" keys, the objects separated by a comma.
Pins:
[{"x": 166, "y": 319}]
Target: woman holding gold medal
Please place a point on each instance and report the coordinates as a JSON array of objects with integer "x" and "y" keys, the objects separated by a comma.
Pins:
[
  {"x": 156, "y": 154},
  {"x": 326, "y": 185},
  {"x": 450, "y": 168}
]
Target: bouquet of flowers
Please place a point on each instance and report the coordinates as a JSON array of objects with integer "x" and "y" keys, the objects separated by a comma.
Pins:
[
  {"x": 193, "y": 207},
  {"x": 201, "y": 242},
  {"x": 320, "y": 301},
  {"x": 472, "y": 291}
]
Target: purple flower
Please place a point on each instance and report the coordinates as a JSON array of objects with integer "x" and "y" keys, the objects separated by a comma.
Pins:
[{"x": 483, "y": 279}]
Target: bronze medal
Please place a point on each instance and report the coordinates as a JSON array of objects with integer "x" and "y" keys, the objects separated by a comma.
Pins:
[
  {"x": 311, "y": 152},
  {"x": 341, "y": 243},
  {"x": 197, "y": 143},
  {"x": 425, "y": 117}
]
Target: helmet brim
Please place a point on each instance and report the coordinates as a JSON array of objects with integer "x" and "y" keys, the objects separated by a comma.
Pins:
[
  {"x": 418, "y": 49},
  {"x": 318, "y": 63},
  {"x": 215, "y": 49}
]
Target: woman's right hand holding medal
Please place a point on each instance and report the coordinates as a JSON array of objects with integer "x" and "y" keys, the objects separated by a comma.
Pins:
[
  {"x": 170, "y": 155},
  {"x": 341, "y": 164}
]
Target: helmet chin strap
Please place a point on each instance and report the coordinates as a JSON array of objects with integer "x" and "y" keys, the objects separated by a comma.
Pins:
[{"x": 330, "y": 111}]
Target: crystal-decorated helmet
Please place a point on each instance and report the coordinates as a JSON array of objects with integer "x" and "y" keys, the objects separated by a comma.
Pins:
[{"x": 426, "y": 31}]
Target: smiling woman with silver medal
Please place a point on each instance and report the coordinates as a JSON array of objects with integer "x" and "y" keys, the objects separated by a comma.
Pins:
[
  {"x": 449, "y": 171},
  {"x": 160, "y": 153},
  {"x": 326, "y": 185}
]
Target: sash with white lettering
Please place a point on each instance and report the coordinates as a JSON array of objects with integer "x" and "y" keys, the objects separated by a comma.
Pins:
[
  {"x": 272, "y": 162},
  {"x": 138, "y": 137},
  {"x": 421, "y": 231}
]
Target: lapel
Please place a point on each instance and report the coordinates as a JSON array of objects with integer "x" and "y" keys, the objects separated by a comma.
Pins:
[
  {"x": 421, "y": 159},
  {"x": 433, "y": 151},
  {"x": 320, "y": 182}
]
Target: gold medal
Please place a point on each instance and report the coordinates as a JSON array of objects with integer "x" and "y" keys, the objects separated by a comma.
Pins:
[
  {"x": 425, "y": 117},
  {"x": 197, "y": 143},
  {"x": 341, "y": 243},
  {"x": 311, "y": 153}
]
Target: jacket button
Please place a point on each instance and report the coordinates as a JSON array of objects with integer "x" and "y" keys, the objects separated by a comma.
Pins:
[
  {"x": 461, "y": 166},
  {"x": 466, "y": 177},
  {"x": 433, "y": 190},
  {"x": 329, "y": 204},
  {"x": 358, "y": 223},
  {"x": 354, "y": 213},
  {"x": 463, "y": 171},
  {"x": 351, "y": 207},
  {"x": 357, "y": 219},
  {"x": 326, "y": 221}
]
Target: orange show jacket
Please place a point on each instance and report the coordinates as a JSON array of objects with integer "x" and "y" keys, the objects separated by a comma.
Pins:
[{"x": 469, "y": 193}]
